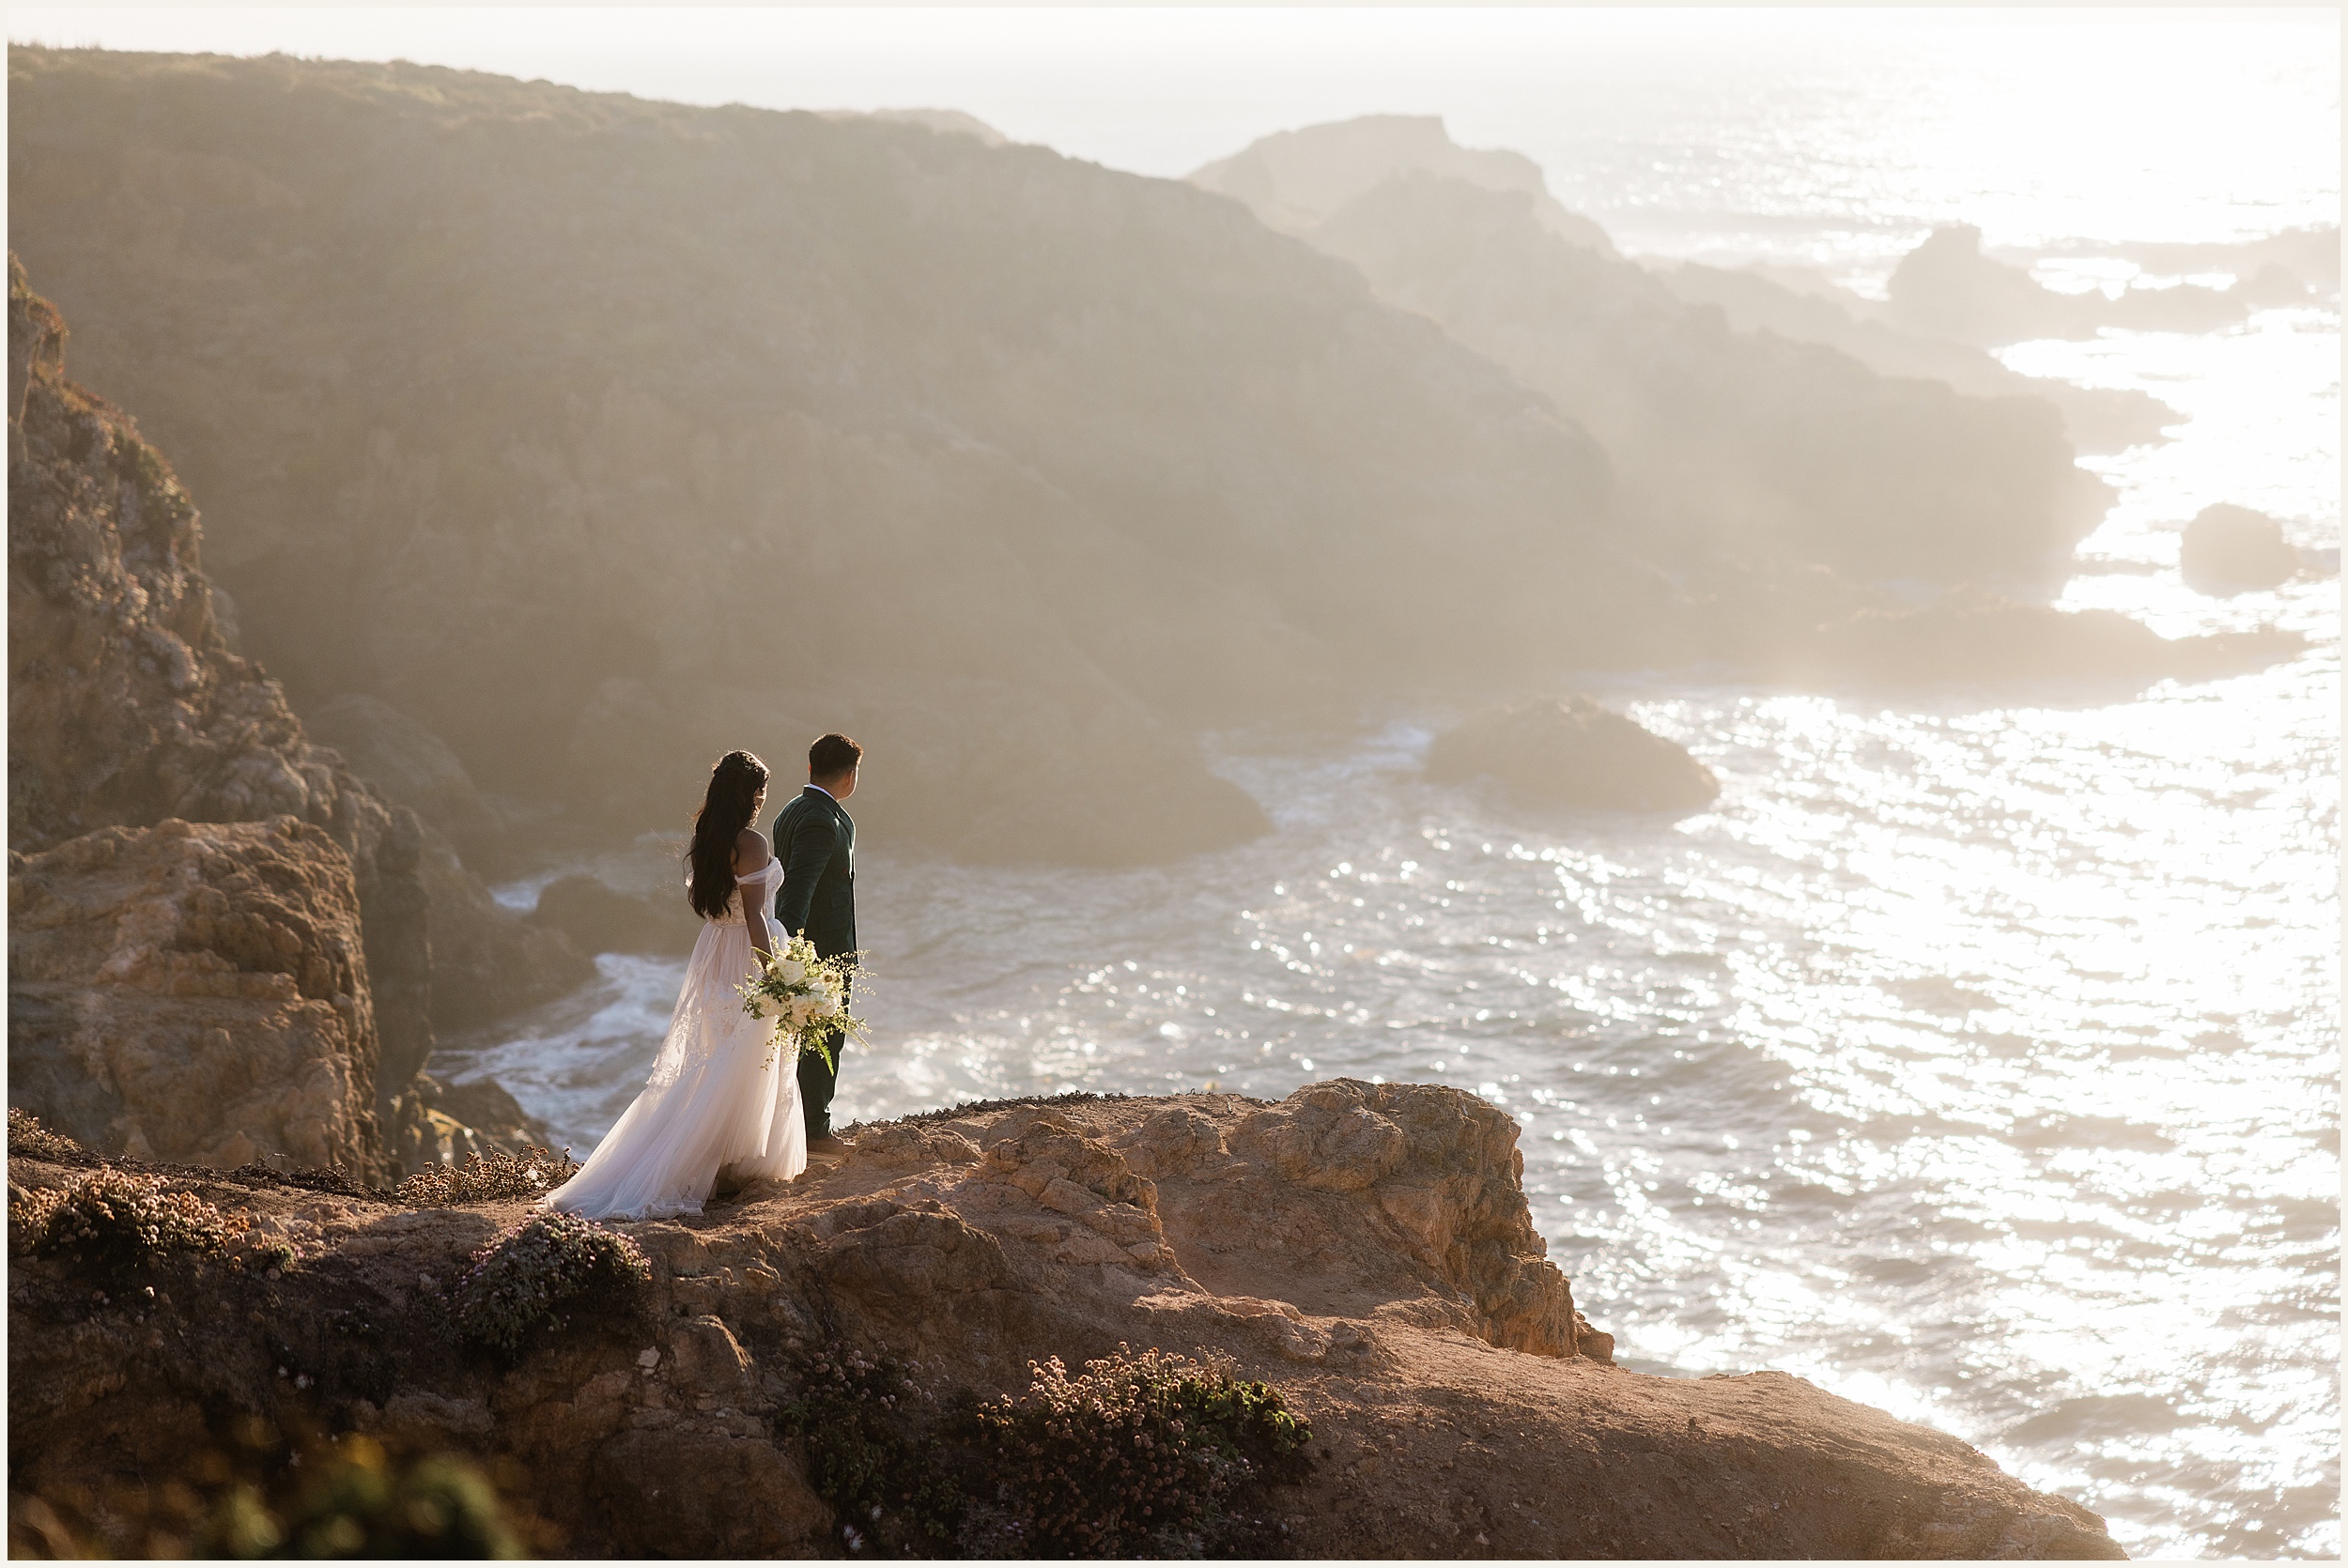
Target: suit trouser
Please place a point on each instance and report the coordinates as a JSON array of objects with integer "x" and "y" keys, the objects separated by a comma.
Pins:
[{"x": 817, "y": 1081}]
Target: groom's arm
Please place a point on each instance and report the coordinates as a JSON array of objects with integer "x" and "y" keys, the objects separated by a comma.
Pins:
[{"x": 812, "y": 845}]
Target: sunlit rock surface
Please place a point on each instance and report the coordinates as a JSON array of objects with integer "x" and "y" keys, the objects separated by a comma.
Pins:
[
  {"x": 196, "y": 993},
  {"x": 1365, "y": 1247}
]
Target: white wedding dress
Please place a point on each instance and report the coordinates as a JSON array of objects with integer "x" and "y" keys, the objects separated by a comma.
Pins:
[{"x": 723, "y": 1091}]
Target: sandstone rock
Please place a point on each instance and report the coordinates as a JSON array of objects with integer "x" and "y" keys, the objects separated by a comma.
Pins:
[
  {"x": 1573, "y": 752},
  {"x": 197, "y": 994},
  {"x": 127, "y": 706},
  {"x": 2228, "y": 548},
  {"x": 600, "y": 919},
  {"x": 662, "y": 1430}
]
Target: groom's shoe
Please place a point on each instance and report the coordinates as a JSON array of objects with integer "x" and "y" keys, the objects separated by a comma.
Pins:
[{"x": 830, "y": 1146}]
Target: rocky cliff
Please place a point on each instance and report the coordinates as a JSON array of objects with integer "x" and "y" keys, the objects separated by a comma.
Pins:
[
  {"x": 599, "y": 435},
  {"x": 196, "y": 993},
  {"x": 128, "y": 709},
  {"x": 1363, "y": 1247},
  {"x": 1725, "y": 443}
]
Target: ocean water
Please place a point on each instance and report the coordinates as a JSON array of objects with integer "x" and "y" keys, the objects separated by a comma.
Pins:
[{"x": 1977, "y": 1054}]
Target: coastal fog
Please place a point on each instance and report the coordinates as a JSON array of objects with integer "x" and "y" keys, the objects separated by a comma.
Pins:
[{"x": 1971, "y": 1053}]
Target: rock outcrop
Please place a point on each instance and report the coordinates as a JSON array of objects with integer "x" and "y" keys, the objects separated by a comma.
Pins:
[
  {"x": 1362, "y": 1246},
  {"x": 409, "y": 765},
  {"x": 128, "y": 709},
  {"x": 126, "y": 705},
  {"x": 196, "y": 993},
  {"x": 2229, "y": 548},
  {"x": 1570, "y": 751},
  {"x": 1725, "y": 443},
  {"x": 1947, "y": 288},
  {"x": 602, "y": 919},
  {"x": 1805, "y": 307}
]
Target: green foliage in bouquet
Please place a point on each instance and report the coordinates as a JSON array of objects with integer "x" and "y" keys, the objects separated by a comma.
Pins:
[
  {"x": 529, "y": 1278},
  {"x": 807, "y": 996}
]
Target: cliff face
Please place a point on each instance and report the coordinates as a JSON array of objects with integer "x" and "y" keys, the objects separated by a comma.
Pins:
[
  {"x": 533, "y": 413},
  {"x": 1365, "y": 1247},
  {"x": 129, "y": 709},
  {"x": 126, "y": 705},
  {"x": 196, "y": 993}
]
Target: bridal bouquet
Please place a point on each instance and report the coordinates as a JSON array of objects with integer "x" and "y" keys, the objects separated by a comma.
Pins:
[{"x": 808, "y": 996}]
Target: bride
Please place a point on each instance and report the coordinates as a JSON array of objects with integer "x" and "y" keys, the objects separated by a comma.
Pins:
[{"x": 724, "y": 1090}]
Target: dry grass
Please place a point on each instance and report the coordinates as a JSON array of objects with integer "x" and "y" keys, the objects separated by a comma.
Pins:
[{"x": 486, "y": 1179}]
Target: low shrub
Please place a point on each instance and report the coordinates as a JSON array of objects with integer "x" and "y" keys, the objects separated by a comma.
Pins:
[
  {"x": 1141, "y": 1456},
  {"x": 486, "y": 1179},
  {"x": 879, "y": 1450},
  {"x": 529, "y": 1278},
  {"x": 357, "y": 1503},
  {"x": 117, "y": 1223},
  {"x": 27, "y": 1137},
  {"x": 1144, "y": 1455},
  {"x": 30, "y": 1209}
]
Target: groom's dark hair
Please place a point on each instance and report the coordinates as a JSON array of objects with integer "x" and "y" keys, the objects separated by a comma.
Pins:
[{"x": 832, "y": 756}]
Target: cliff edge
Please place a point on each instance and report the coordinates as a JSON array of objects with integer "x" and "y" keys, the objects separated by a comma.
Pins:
[{"x": 1364, "y": 1248}]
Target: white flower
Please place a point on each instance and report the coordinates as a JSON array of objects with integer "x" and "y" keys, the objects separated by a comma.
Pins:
[
  {"x": 827, "y": 1005},
  {"x": 791, "y": 971},
  {"x": 802, "y": 1010}
]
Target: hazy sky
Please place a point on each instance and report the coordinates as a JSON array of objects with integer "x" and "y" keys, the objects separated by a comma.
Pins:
[{"x": 2035, "y": 124}]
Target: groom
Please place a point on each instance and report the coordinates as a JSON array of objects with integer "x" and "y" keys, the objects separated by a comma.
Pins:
[{"x": 815, "y": 840}]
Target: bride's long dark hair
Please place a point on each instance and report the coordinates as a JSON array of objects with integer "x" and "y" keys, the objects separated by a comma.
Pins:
[{"x": 726, "y": 810}]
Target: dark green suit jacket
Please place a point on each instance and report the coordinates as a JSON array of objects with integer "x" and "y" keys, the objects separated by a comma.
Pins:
[{"x": 815, "y": 840}]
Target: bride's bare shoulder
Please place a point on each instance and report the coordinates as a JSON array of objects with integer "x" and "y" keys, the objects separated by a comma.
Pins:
[{"x": 750, "y": 851}]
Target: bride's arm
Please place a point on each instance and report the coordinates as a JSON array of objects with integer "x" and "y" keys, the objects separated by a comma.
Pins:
[{"x": 750, "y": 849}]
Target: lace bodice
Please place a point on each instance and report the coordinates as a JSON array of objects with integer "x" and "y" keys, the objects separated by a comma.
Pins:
[{"x": 760, "y": 883}]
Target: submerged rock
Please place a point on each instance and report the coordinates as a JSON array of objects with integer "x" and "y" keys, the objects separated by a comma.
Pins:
[
  {"x": 2228, "y": 548},
  {"x": 1364, "y": 1248},
  {"x": 1569, "y": 751},
  {"x": 1975, "y": 636}
]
